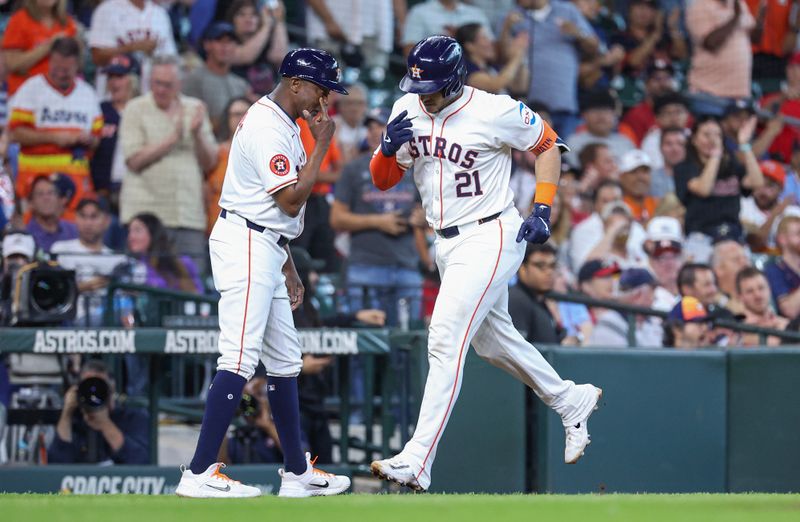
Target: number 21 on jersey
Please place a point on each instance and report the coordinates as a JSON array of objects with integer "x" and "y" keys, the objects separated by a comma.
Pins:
[{"x": 468, "y": 184}]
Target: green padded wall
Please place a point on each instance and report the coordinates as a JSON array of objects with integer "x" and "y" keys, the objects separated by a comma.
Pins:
[
  {"x": 661, "y": 427},
  {"x": 764, "y": 420},
  {"x": 483, "y": 447}
]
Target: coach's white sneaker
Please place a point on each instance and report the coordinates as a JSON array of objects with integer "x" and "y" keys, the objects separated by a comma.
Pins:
[
  {"x": 578, "y": 434},
  {"x": 396, "y": 470},
  {"x": 212, "y": 484},
  {"x": 313, "y": 483}
]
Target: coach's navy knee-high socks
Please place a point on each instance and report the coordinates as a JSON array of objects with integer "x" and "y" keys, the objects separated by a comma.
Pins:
[
  {"x": 224, "y": 396},
  {"x": 285, "y": 405}
]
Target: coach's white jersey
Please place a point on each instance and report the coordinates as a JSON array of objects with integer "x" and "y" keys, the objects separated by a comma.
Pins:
[
  {"x": 462, "y": 154},
  {"x": 266, "y": 155}
]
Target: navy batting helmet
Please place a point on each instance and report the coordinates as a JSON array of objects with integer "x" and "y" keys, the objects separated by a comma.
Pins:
[
  {"x": 435, "y": 64},
  {"x": 313, "y": 65}
]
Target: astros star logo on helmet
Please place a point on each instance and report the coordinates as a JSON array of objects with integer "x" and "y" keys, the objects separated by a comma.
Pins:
[{"x": 416, "y": 72}]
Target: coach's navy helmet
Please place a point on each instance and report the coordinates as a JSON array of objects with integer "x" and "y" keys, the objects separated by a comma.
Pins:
[
  {"x": 313, "y": 65},
  {"x": 435, "y": 64}
]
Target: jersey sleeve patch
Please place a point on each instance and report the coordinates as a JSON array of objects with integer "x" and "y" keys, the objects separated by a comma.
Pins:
[
  {"x": 279, "y": 165},
  {"x": 528, "y": 116}
]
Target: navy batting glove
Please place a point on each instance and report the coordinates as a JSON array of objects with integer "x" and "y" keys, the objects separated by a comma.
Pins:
[
  {"x": 398, "y": 131},
  {"x": 536, "y": 229}
]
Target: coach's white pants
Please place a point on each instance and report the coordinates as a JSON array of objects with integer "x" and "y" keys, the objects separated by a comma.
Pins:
[
  {"x": 472, "y": 307},
  {"x": 255, "y": 317}
]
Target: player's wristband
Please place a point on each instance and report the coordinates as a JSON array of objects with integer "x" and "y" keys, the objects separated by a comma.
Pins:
[
  {"x": 745, "y": 147},
  {"x": 545, "y": 193}
]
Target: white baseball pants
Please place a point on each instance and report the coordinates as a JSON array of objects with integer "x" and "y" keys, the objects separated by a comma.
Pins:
[
  {"x": 255, "y": 317},
  {"x": 472, "y": 308}
]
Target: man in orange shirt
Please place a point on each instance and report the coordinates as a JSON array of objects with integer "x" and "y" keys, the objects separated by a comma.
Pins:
[
  {"x": 774, "y": 36},
  {"x": 317, "y": 237},
  {"x": 635, "y": 167},
  {"x": 56, "y": 119}
]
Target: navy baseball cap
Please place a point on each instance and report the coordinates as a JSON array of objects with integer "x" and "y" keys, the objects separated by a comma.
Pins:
[
  {"x": 737, "y": 106},
  {"x": 635, "y": 277},
  {"x": 378, "y": 115},
  {"x": 597, "y": 268},
  {"x": 218, "y": 30},
  {"x": 688, "y": 310},
  {"x": 121, "y": 65}
]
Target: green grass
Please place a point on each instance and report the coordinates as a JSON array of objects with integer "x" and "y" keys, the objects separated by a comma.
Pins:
[{"x": 406, "y": 508}]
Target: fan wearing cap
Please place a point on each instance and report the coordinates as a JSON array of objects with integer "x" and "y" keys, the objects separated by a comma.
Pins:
[
  {"x": 385, "y": 231},
  {"x": 213, "y": 82},
  {"x": 267, "y": 183},
  {"x": 659, "y": 79},
  {"x": 664, "y": 248},
  {"x": 761, "y": 212},
  {"x": 596, "y": 279},
  {"x": 599, "y": 110},
  {"x": 635, "y": 178},
  {"x": 108, "y": 163},
  {"x": 613, "y": 245},
  {"x": 688, "y": 325},
  {"x": 636, "y": 288}
]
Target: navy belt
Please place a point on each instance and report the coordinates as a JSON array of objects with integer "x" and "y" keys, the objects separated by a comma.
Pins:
[
  {"x": 252, "y": 226},
  {"x": 453, "y": 231}
]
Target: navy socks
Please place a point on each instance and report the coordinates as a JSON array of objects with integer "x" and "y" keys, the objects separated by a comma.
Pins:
[
  {"x": 224, "y": 396},
  {"x": 285, "y": 405}
]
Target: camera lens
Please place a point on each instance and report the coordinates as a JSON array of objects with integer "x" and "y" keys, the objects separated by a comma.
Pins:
[
  {"x": 93, "y": 393},
  {"x": 50, "y": 292}
]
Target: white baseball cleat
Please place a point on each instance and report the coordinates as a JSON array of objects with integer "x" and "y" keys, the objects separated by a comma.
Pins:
[
  {"x": 396, "y": 470},
  {"x": 312, "y": 483},
  {"x": 578, "y": 434},
  {"x": 212, "y": 484}
]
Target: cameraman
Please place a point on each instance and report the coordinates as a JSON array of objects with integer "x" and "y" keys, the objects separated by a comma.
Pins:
[{"x": 93, "y": 429}]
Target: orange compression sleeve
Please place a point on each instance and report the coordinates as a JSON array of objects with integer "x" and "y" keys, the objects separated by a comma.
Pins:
[{"x": 386, "y": 173}]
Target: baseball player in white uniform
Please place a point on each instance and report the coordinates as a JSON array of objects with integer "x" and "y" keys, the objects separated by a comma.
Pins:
[
  {"x": 267, "y": 183},
  {"x": 459, "y": 141}
]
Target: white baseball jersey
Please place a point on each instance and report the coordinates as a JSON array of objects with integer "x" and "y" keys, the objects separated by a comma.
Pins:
[
  {"x": 266, "y": 155},
  {"x": 462, "y": 154},
  {"x": 117, "y": 22},
  {"x": 462, "y": 165}
]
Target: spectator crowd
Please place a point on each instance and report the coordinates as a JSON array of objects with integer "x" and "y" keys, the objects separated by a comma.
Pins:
[{"x": 680, "y": 194}]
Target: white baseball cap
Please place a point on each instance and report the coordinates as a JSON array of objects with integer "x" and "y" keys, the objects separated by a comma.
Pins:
[
  {"x": 634, "y": 159},
  {"x": 19, "y": 243},
  {"x": 664, "y": 228}
]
